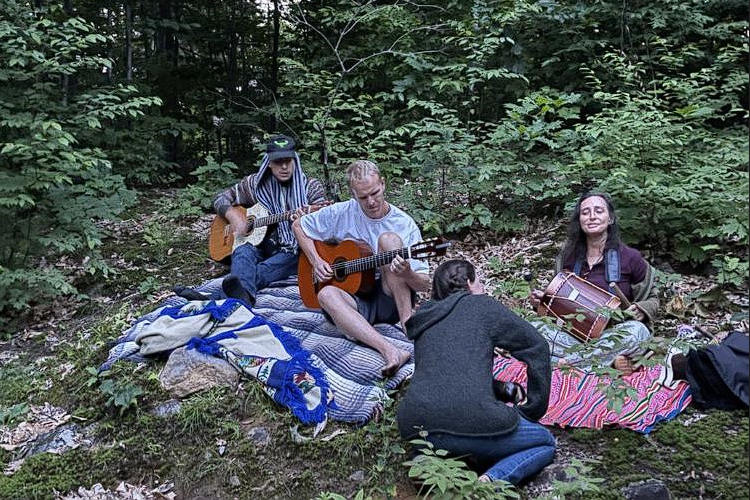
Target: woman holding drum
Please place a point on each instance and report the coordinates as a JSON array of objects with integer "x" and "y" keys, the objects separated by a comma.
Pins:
[{"x": 594, "y": 252}]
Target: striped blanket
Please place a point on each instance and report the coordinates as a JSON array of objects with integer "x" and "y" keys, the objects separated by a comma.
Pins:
[
  {"x": 575, "y": 400},
  {"x": 351, "y": 370}
]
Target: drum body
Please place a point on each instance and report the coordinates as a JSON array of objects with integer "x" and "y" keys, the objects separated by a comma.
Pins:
[{"x": 569, "y": 295}]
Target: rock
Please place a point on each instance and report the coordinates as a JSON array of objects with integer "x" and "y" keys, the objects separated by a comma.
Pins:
[
  {"x": 259, "y": 436},
  {"x": 167, "y": 408},
  {"x": 541, "y": 484},
  {"x": 189, "y": 371},
  {"x": 652, "y": 489},
  {"x": 234, "y": 481},
  {"x": 550, "y": 474},
  {"x": 62, "y": 439},
  {"x": 357, "y": 476}
]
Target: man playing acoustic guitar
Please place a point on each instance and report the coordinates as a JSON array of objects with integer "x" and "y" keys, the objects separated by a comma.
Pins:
[
  {"x": 280, "y": 186},
  {"x": 369, "y": 218}
]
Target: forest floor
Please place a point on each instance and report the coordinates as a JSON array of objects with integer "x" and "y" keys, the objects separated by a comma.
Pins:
[{"x": 121, "y": 440}]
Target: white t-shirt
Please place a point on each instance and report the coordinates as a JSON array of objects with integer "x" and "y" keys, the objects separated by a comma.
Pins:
[{"x": 346, "y": 221}]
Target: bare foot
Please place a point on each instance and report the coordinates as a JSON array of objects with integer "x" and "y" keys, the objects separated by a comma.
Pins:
[
  {"x": 484, "y": 478},
  {"x": 393, "y": 361},
  {"x": 624, "y": 364}
]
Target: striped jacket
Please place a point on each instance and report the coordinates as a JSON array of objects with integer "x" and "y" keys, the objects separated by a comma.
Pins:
[{"x": 262, "y": 187}]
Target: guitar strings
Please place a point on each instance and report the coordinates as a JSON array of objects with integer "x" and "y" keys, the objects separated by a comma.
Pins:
[
  {"x": 364, "y": 263},
  {"x": 377, "y": 260}
]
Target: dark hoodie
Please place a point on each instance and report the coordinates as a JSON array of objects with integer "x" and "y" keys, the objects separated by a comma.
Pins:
[{"x": 451, "y": 390}]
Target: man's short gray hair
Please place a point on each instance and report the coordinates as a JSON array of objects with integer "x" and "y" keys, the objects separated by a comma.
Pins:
[{"x": 361, "y": 169}]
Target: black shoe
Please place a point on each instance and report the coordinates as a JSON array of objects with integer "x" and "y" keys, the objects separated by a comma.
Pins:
[
  {"x": 234, "y": 290},
  {"x": 188, "y": 293}
]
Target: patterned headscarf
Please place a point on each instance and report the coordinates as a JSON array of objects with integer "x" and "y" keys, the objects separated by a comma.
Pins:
[{"x": 269, "y": 192}]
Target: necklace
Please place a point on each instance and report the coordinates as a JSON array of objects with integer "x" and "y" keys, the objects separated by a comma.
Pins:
[
  {"x": 594, "y": 255},
  {"x": 596, "y": 261}
]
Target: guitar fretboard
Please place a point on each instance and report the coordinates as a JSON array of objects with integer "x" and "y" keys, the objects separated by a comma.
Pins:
[
  {"x": 371, "y": 262},
  {"x": 272, "y": 219}
]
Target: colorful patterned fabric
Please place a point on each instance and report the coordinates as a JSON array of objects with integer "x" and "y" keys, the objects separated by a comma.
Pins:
[
  {"x": 352, "y": 370},
  {"x": 263, "y": 351},
  {"x": 228, "y": 329},
  {"x": 575, "y": 400}
]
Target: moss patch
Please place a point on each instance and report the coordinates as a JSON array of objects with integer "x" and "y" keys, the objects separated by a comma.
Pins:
[
  {"x": 43, "y": 474},
  {"x": 707, "y": 458},
  {"x": 19, "y": 383}
]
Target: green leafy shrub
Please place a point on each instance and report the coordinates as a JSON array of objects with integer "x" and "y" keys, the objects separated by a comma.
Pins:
[
  {"x": 731, "y": 271},
  {"x": 444, "y": 478},
  {"x": 581, "y": 484},
  {"x": 680, "y": 181},
  {"x": 121, "y": 394},
  {"x": 11, "y": 414},
  {"x": 54, "y": 184},
  {"x": 210, "y": 179}
]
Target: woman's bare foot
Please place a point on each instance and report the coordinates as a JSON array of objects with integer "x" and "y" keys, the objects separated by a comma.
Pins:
[
  {"x": 393, "y": 361},
  {"x": 624, "y": 364},
  {"x": 484, "y": 478}
]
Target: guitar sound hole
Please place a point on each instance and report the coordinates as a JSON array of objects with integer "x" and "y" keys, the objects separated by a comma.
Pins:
[
  {"x": 250, "y": 223},
  {"x": 338, "y": 273}
]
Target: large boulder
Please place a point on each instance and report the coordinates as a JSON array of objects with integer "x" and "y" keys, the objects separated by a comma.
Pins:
[{"x": 189, "y": 371}]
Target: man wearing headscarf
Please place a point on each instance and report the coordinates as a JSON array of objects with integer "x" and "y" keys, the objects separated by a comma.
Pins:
[{"x": 279, "y": 185}]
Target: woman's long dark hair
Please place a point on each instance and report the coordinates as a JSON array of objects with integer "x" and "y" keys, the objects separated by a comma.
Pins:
[
  {"x": 575, "y": 244},
  {"x": 451, "y": 276}
]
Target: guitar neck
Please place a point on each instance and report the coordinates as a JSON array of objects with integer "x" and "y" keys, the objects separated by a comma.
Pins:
[
  {"x": 273, "y": 218},
  {"x": 371, "y": 262}
]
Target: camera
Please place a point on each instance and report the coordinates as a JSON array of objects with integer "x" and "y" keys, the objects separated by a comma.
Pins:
[{"x": 508, "y": 392}]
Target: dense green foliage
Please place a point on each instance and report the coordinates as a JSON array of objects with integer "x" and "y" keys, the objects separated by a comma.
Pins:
[
  {"x": 55, "y": 182},
  {"x": 477, "y": 111}
]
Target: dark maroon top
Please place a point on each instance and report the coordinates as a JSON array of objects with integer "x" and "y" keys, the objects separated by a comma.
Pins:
[{"x": 633, "y": 269}]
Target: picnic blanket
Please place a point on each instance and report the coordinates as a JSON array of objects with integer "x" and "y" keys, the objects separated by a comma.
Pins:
[
  {"x": 256, "y": 348},
  {"x": 576, "y": 401},
  {"x": 351, "y": 370}
]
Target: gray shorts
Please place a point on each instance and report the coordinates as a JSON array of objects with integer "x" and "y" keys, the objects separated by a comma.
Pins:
[{"x": 377, "y": 306}]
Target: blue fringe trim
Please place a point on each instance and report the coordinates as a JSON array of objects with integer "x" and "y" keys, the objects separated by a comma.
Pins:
[
  {"x": 293, "y": 347},
  {"x": 290, "y": 395},
  {"x": 209, "y": 345},
  {"x": 219, "y": 312}
]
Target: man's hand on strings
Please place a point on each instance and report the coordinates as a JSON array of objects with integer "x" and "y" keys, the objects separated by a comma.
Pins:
[{"x": 323, "y": 271}]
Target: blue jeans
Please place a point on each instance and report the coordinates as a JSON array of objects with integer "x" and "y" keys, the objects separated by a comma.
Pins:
[
  {"x": 255, "y": 272},
  {"x": 517, "y": 455}
]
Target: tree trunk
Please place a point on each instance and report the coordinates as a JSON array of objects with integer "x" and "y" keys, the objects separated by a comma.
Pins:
[
  {"x": 274, "y": 84},
  {"x": 128, "y": 41},
  {"x": 67, "y": 80}
]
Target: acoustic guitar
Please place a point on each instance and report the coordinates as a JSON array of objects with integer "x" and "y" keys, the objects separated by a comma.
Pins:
[
  {"x": 353, "y": 265},
  {"x": 221, "y": 240}
]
